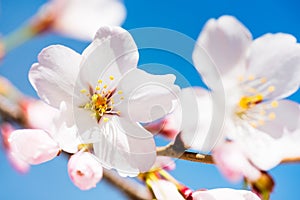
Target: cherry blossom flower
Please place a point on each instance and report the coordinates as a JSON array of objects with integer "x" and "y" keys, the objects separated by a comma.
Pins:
[
  {"x": 106, "y": 95},
  {"x": 36, "y": 146},
  {"x": 84, "y": 170},
  {"x": 256, "y": 76},
  {"x": 17, "y": 163},
  {"x": 224, "y": 194},
  {"x": 233, "y": 163},
  {"x": 78, "y": 19}
]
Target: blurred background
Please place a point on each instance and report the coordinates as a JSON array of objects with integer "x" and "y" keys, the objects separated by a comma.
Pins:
[{"x": 50, "y": 180}]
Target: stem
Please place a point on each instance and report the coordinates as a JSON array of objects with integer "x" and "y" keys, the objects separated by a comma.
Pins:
[
  {"x": 17, "y": 38},
  {"x": 131, "y": 188},
  {"x": 170, "y": 151},
  {"x": 291, "y": 160}
]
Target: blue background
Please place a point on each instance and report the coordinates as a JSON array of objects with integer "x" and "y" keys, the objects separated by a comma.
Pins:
[{"x": 50, "y": 180}]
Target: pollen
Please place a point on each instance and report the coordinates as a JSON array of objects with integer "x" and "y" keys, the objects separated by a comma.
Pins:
[
  {"x": 97, "y": 88},
  {"x": 111, "y": 78},
  {"x": 105, "y": 86},
  {"x": 271, "y": 88},
  {"x": 251, "y": 78},
  {"x": 274, "y": 104},
  {"x": 120, "y": 92},
  {"x": 100, "y": 81},
  {"x": 105, "y": 119},
  {"x": 272, "y": 115},
  {"x": 83, "y": 91},
  {"x": 248, "y": 102},
  {"x": 263, "y": 80}
]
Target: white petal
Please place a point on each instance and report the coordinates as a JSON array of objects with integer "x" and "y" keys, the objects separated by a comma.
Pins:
[
  {"x": 81, "y": 19},
  {"x": 147, "y": 97},
  {"x": 197, "y": 113},
  {"x": 112, "y": 53},
  {"x": 54, "y": 76},
  {"x": 33, "y": 146},
  {"x": 165, "y": 190},
  {"x": 276, "y": 57},
  {"x": 287, "y": 118},
  {"x": 225, "y": 194},
  {"x": 125, "y": 146},
  {"x": 226, "y": 41}
]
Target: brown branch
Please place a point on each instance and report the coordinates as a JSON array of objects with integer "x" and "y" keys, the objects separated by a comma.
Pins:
[
  {"x": 291, "y": 160},
  {"x": 170, "y": 151},
  {"x": 132, "y": 189}
]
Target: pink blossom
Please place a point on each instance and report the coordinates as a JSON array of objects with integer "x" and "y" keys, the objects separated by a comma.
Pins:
[
  {"x": 33, "y": 146},
  {"x": 224, "y": 194},
  {"x": 233, "y": 163},
  {"x": 17, "y": 163},
  {"x": 84, "y": 170}
]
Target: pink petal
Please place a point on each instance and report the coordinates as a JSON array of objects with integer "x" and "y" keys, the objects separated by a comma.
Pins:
[
  {"x": 163, "y": 162},
  {"x": 33, "y": 146},
  {"x": 233, "y": 163},
  {"x": 84, "y": 170},
  {"x": 17, "y": 163}
]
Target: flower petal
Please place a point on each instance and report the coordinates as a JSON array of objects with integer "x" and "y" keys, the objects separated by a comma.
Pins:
[
  {"x": 112, "y": 53},
  {"x": 54, "y": 76},
  {"x": 125, "y": 146},
  {"x": 226, "y": 41},
  {"x": 84, "y": 170},
  {"x": 197, "y": 113},
  {"x": 147, "y": 97},
  {"x": 81, "y": 19},
  {"x": 279, "y": 118},
  {"x": 225, "y": 194},
  {"x": 233, "y": 163},
  {"x": 165, "y": 190},
  {"x": 33, "y": 146},
  {"x": 276, "y": 58}
]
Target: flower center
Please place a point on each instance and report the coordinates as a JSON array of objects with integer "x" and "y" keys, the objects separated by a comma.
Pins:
[
  {"x": 252, "y": 106},
  {"x": 101, "y": 101}
]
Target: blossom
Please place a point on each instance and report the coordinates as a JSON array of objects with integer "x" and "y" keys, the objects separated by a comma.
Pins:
[
  {"x": 17, "y": 163},
  {"x": 191, "y": 117},
  {"x": 224, "y": 194},
  {"x": 233, "y": 163},
  {"x": 84, "y": 170},
  {"x": 78, "y": 19},
  {"x": 105, "y": 96},
  {"x": 36, "y": 146},
  {"x": 256, "y": 76}
]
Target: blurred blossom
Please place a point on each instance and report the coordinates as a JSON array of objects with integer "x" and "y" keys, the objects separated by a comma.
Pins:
[
  {"x": 164, "y": 190},
  {"x": 256, "y": 76},
  {"x": 224, "y": 194},
  {"x": 233, "y": 163},
  {"x": 163, "y": 162},
  {"x": 17, "y": 163},
  {"x": 105, "y": 96},
  {"x": 38, "y": 114},
  {"x": 84, "y": 170},
  {"x": 79, "y": 19}
]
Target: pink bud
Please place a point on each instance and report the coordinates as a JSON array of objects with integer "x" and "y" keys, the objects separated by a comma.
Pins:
[
  {"x": 33, "y": 146},
  {"x": 17, "y": 163},
  {"x": 84, "y": 170}
]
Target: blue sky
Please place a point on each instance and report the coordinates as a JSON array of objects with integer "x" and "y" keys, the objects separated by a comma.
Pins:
[{"x": 50, "y": 180}]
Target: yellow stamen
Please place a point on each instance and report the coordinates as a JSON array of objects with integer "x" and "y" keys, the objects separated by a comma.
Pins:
[
  {"x": 274, "y": 104},
  {"x": 271, "y": 88},
  {"x": 97, "y": 88},
  {"x": 111, "y": 77},
  {"x": 100, "y": 81},
  {"x": 263, "y": 80},
  {"x": 261, "y": 122},
  {"x": 120, "y": 92},
  {"x": 105, "y": 119},
  {"x": 105, "y": 86},
  {"x": 82, "y": 91},
  {"x": 251, "y": 78},
  {"x": 248, "y": 102},
  {"x": 272, "y": 115}
]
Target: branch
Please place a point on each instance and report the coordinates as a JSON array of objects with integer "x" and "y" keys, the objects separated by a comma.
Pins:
[
  {"x": 291, "y": 160},
  {"x": 170, "y": 151},
  {"x": 132, "y": 189}
]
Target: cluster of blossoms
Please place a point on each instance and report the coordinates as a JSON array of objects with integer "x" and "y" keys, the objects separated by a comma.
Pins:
[{"x": 102, "y": 111}]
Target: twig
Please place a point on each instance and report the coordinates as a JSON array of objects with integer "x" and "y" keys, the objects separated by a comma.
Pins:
[
  {"x": 291, "y": 160},
  {"x": 170, "y": 151},
  {"x": 131, "y": 188}
]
